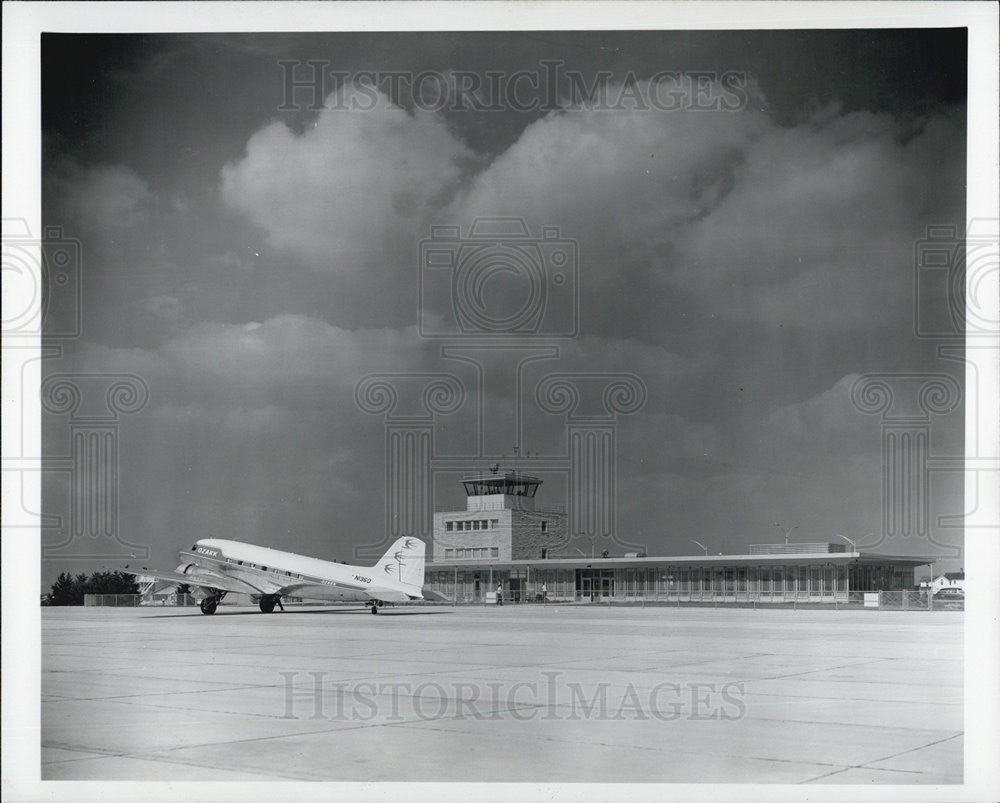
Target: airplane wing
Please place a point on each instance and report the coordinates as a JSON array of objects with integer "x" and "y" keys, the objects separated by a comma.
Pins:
[
  {"x": 322, "y": 591},
  {"x": 200, "y": 576}
]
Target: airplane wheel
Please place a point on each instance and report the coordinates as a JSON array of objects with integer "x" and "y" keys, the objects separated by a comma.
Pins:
[
  {"x": 209, "y": 604},
  {"x": 267, "y": 604},
  {"x": 374, "y": 608}
]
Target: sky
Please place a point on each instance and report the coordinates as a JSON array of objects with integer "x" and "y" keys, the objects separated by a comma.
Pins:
[{"x": 739, "y": 212}]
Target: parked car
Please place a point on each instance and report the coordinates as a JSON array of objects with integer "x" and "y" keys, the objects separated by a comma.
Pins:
[{"x": 950, "y": 593}]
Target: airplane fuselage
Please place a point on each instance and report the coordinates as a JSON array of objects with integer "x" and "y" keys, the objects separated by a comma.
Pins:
[{"x": 263, "y": 570}]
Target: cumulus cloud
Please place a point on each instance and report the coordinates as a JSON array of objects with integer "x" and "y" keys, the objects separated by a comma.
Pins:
[
  {"x": 810, "y": 224},
  {"x": 356, "y": 190},
  {"x": 819, "y": 226},
  {"x": 620, "y": 183},
  {"x": 165, "y": 308},
  {"x": 107, "y": 197},
  {"x": 748, "y": 219},
  {"x": 296, "y": 359},
  {"x": 812, "y": 434}
]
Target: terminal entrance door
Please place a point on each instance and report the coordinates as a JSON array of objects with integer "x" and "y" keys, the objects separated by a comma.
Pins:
[{"x": 596, "y": 584}]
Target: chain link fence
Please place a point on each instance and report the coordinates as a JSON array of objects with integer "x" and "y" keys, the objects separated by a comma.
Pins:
[
  {"x": 135, "y": 600},
  {"x": 878, "y": 600}
]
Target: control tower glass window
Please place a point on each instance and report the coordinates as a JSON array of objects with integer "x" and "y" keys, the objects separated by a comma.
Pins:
[{"x": 509, "y": 484}]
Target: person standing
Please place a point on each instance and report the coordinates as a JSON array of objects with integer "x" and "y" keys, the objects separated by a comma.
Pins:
[
  {"x": 500, "y": 594},
  {"x": 545, "y": 593}
]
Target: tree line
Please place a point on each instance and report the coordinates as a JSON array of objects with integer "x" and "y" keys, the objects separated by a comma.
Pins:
[{"x": 69, "y": 590}]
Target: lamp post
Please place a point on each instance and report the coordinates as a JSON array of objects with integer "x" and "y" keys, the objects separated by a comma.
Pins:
[
  {"x": 788, "y": 532},
  {"x": 851, "y": 541},
  {"x": 699, "y": 544}
]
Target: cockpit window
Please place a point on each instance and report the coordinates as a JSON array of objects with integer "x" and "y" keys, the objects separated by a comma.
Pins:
[{"x": 194, "y": 545}]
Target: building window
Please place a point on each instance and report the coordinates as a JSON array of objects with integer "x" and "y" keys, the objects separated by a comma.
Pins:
[
  {"x": 543, "y": 525},
  {"x": 449, "y": 525},
  {"x": 494, "y": 552},
  {"x": 494, "y": 523},
  {"x": 449, "y": 553}
]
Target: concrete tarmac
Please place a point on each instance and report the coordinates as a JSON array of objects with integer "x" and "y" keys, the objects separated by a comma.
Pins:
[{"x": 519, "y": 693}]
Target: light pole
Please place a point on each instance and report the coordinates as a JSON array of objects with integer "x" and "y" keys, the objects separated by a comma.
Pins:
[
  {"x": 851, "y": 541},
  {"x": 699, "y": 544},
  {"x": 788, "y": 532},
  {"x": 847, "y": 566}
]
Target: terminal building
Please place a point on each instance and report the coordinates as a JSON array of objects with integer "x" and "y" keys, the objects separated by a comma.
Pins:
[{"x": 503, "y": 538}]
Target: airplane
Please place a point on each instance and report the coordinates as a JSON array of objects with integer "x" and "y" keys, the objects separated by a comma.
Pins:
[{"x": 214, "y": 567}]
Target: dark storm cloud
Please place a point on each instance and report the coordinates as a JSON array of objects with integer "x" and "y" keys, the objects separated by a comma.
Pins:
[{"x": 253, "y": 264}]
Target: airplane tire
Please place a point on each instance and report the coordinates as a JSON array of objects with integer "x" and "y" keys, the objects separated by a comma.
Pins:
[
  {"x": 208, "y": 605},
  {"x": 267, "y": 604},
  {"x": 374, "y": 608}
]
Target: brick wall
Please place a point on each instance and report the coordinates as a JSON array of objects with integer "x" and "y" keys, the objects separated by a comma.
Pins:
[
  {"x": 528, "y": 539},
  {"x": 499, "y": 537}
]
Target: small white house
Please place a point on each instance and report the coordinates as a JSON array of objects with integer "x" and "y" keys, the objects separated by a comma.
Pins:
[{"x": 950, "y": 580}]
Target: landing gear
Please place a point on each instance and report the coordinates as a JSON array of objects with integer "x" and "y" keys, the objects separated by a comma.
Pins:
[
  {"x": 376, "y": 604},
  {"x": 267, "y": 603},
  {"x": 209, "y": 604}
]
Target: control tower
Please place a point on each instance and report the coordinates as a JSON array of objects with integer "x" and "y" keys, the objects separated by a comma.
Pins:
[
  {"x": 507, "y": 491},
  {"x": 500, "y": 521}
]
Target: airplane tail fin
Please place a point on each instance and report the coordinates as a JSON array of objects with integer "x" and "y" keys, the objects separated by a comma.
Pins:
[{"x": 404, "y": 562}]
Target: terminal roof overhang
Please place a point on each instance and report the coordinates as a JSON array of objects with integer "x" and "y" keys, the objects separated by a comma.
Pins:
[{"x": 797, "y": 559}]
